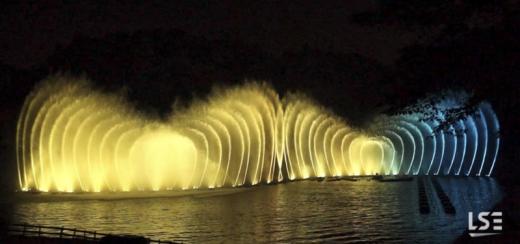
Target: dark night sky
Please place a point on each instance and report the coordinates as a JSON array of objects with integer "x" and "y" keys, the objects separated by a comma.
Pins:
[
  {"x": 29, "y": 33},
  {"x": 405, "y": 50}
]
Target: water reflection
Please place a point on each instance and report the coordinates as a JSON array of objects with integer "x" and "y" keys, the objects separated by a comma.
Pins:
[{"x": 302, "y": 211}]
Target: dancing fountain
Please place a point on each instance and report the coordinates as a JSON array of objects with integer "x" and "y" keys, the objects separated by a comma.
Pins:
[{"x": 73, "y": 138}]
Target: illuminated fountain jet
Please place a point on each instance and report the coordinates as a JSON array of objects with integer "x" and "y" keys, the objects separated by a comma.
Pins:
[{"x": 72, "y": 138}]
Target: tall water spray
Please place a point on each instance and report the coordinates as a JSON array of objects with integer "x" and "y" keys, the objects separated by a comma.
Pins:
[{"x": 72, "y": 138}]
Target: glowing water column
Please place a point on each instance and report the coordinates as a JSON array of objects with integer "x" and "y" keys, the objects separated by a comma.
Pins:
[
  {"x": 72, "y": 138},
  {"x": 469, "y": 148}
]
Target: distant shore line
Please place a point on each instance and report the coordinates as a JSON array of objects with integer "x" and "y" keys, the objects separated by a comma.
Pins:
[{"x": 203, "y": 192}]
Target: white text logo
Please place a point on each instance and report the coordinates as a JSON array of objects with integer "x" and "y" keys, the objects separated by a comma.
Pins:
[{"x": 484, "y": 218}]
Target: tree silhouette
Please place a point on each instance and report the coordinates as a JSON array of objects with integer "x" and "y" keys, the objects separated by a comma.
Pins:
[{"x": 468, "y": 45}]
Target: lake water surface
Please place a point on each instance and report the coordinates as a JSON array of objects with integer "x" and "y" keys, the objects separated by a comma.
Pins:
[{"x": 304, "y": 211}]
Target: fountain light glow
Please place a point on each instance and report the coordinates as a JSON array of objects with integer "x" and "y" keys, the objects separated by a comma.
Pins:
[{"x": 73, "y": 138}]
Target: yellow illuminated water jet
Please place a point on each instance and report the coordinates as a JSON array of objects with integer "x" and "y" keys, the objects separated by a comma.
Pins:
[{"x": 72, "y": 138}]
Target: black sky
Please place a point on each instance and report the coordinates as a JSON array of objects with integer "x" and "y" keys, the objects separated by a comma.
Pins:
[
  {"x": 471, "y": 45},
  {"x": 30, "y": 32}
]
